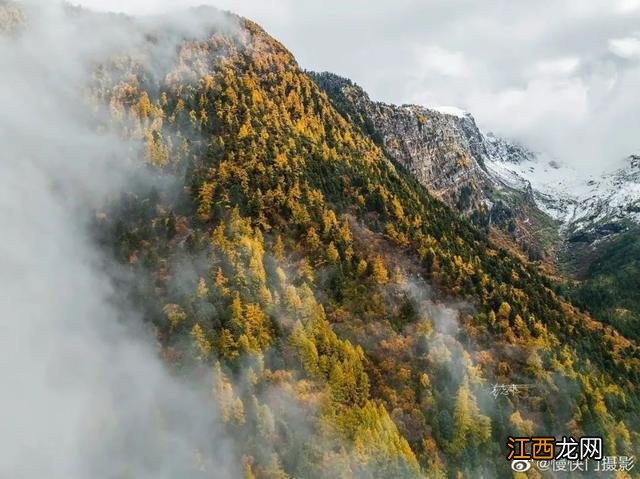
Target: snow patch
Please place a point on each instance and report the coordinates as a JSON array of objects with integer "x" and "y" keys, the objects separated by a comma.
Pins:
[{"x": 450, "y": 110}]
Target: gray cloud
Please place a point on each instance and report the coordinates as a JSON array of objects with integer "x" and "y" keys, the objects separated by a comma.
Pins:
[
  {"x": 83, "y": 392},
  {"x": 559, "y": 76}
]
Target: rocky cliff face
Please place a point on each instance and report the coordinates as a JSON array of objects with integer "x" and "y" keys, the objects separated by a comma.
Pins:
[{"x": 445, "y": 152}]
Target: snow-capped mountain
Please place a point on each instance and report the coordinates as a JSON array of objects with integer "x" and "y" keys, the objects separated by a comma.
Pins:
[{"x": 578, "y": 203}]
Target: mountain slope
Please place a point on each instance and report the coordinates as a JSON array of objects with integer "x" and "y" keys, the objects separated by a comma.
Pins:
[
  {"x": 353, "y": 323},
  {"x": 535, "y": 202},
  {"x": 450, "y": 156},
  {"x": 443, "y": 151}
]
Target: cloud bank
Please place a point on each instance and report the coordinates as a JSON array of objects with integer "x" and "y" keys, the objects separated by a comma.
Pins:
[{"x": 83, "y": 393}]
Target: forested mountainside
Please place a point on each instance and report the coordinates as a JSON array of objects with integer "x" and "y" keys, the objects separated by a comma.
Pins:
[
  {"x": 610, "y": 288},
  {"x": 452, "y": 158},
  {"x": 354, "y": 324},
  {"x": 587, "y": 230}
]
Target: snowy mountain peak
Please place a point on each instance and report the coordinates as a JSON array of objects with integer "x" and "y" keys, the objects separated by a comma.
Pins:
[{"x": 579, "y": 203}]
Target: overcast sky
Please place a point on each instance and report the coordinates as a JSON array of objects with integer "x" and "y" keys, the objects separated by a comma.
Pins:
[{"x": 560, "y": 75}]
